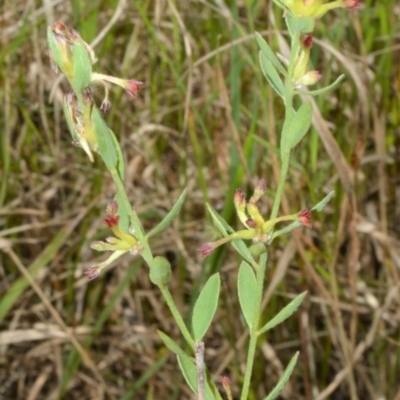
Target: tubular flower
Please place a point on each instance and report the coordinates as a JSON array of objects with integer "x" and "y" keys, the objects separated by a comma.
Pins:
[
  {"x": 301, "y": 75},
  {"x": 131, "y": 86},
  {"x": 258, "y": 230},
  {"x": 317, "y": 8},
  {"x": 119, "y": 245}
]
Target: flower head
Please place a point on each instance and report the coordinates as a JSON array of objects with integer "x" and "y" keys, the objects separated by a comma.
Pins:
[
  {"x": 257, "y": 229},
  {"x": 119, "y": 244},
  {"x": 317, "y": 8}
]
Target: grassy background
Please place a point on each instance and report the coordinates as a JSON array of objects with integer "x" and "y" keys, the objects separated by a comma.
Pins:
[{"x": 205, "y": 119}]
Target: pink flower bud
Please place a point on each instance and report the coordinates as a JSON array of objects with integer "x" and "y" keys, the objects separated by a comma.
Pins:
[
  {"x": 304, "y": 216},
  {"x": 225, "y": 381},
  {"x": 132, "y": 87},
  {"x": 112, "y": 208},
  {"x": 92, "y": 272},
  {"x": 239, "y": 199},
  {"x": 206, "y": 249},
  {"x": 259, "y": 190},
  {"x": 351, "y": 4}
]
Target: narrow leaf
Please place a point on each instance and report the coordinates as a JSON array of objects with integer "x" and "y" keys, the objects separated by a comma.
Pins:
[
  {"x": 270, "y": 73},
  {"x": 173, "y": 346},
  {"x": 219, "y": 222},
  {"x": 54, "y": 48},
  {"x": 82, "y": 67},
  {"x": 284, "y": 314},
  {"x": 321, "y": 205},
  {"x": 104, "y": 140},
  {"x": 284, "y": 379},
  {"x": 189, "y": 372},
  {"x": 170, "y": 216},
  {"x": 247, "y": 286},
  {"x": 299, "y": 125},
  {"x": 267, "y": 51},
  {"x": 323, "y": 90},
  {"x": 205, "y": 307}
]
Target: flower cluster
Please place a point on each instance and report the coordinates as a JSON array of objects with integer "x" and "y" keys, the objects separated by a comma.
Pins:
[
  {"x": 73, "y": 57},
  {"x": 316, "y": 8},
  {"x": 120, "y": 244},
  {"x": 258, "y": 229}
]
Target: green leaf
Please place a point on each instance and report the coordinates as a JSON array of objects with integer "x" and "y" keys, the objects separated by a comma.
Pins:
[
  {"x": 270, "y": 73},
  {"x": 174, "y": 347},
  {"x": 104, "y": 139},
  {"x": 323, "y": 90},
  {"x": 219, "y": 222},
  {"x": 284, "y": 379},
  {"x": 267, "y": 51},
  {"x": 297, "y": 126},
  {"x": 170, "y": 216},
  {"x": 120, "y": 157},
  {"x": 189, "y": 372},
  {"x": 205, "y": 307},
  {"x": 247, "y": 287},
  {"x": 54, "y": 48},
  {"x": 321, "y": 205},
  {"x": 283, "y": 314},
  {"x": 291, "y": 24},
  {"x": 82, "y": 67},
  {"x": 225, "y": 229},
  {"x": 286, "y": 229}
]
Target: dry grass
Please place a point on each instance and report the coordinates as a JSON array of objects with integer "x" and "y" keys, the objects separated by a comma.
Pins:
[{"x": 205, "y": 119}]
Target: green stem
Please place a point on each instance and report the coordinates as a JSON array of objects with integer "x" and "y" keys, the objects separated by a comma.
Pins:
[
  {"x": 175, "y": 313},
  {"x": 281, "y": 184},
  {"x": 148, "y": 257},
  {"x": 254, "y": 327},
  {"x": 288, "y": 100}
]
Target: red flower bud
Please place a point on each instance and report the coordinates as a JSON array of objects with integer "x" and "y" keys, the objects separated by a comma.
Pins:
[
  {"x": 132, "y": 87},
  {"x": 351, "y": 4},
  {"x": 111, "y": 220},
  {"x": 92, "y": 272},
  {"x": 304, "y": 216},
  {"x": 112, "y": 208},
  {"x": 206, "y": 249},
  {"x": 307, "y": 41}
]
